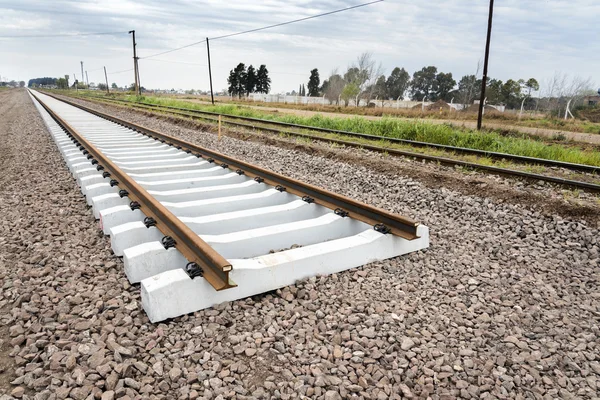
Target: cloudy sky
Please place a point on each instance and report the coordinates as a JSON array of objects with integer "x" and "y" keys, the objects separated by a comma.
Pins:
[{"x": 531, "y": 38}]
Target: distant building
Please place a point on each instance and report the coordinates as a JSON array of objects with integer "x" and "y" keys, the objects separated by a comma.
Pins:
[{"x": 591, "y": 100}]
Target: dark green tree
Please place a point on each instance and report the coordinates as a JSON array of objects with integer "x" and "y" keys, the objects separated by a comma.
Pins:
[
  {"x": 263, "y": 82},
  {"x": 469, "y": 89},
  {"x": 114, "y": 86},
  {"x": 511, "y": 94},
  {"x": 493, "y": 91},
  {"x": 251, "y": 80},
  {"x": 380, "y": 89},
  {"x": 313, "y": 83},
  {"x": 445, "y": 84},
  {"x": 303, "y": 90},
  {"x": 237, "y": 80},
  {"x": 532, "y": 85},
  {"x": 424, "y": 84},
  {"x": 397, "y": 83}
]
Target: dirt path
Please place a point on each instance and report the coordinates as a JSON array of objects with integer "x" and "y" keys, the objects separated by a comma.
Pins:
[{"x": 575, "y": 136}]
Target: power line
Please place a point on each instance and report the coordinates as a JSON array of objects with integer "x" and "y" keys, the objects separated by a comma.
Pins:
[
  {"x": 264, "y": 27},
  {"x": 63, "y": 35},
  {"x": 120, "y": 72},
  {"x": 296, "y": 20},
  {"x": 179, "y": 62}
]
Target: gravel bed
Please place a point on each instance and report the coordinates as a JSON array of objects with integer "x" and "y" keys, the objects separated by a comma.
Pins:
[{"x": 505, "y": 303}]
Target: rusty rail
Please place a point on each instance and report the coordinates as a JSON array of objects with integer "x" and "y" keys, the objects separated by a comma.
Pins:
[
  {"x": 381, "y": 219},
  {"x": 214, "y": 266}
]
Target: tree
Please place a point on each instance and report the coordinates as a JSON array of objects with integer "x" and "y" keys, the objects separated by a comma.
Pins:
[
  {"x": 424, "y": 84},
  {"x": 397, "y": 83},
  {"x": 263, "y": 82},
  {"x": 365, "y": 72},
  {"x": 532, "y": 84},
  {"x": 300, "y": 90},
  {"x": 102, "y": 86},
  {"x": 493, "y": 91},
  {"x": 335, "y": 86},
  {"x": 114, "y": 86},
  {"x": 511, "y": 94},
  {"x": 350, "y": 92},
  {"x": 250, "y": 81},
  {"x": 469, "y": 89},
  {"x": 380, "y": 89},
  {"x": 62, "y": 83},
  {"x": 237, "y": 80},
  {"x": 313, "y": 83},
  {"x": 445, "y": 84},
  {"x": 21, "y": 83}
]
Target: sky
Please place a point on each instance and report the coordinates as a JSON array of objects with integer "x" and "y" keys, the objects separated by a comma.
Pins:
[{"x": 530, "y": 38}]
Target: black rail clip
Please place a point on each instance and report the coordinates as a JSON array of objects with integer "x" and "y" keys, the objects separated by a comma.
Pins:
[
  {"x": 89, "y": 156},
  {"x": 259, "y": 179},
  {"x": 280, "y": 188},
  {"x": 240, "y": 172},
  {"x": 113, "y": 182},
  {"x": 340, "y": 212},
  {"x": 94, "y": 161},
  {"x": 210, "y": 160},
  {"x": 381, "y": 228},
  {"x": 224, "y": 165},
  {"x": 149, "y": 221},
  {"x": 99, "y": 167},
  {"x": 178, "y": 147},
  {"x": 308, "y": 199},
  {"x": 105, "y": 174},
  {"x": 194, "y": 270},
  {"x": 123, "y": 193},
  {"x": 134, "y": 205},
  {"x": 84, "y": 151},
  {"x": 168, "y": 242}
]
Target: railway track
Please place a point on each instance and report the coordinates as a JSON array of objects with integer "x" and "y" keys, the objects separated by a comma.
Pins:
[
  {"x": 283, "y": 128},
  {"x": 196, "y": 228}
]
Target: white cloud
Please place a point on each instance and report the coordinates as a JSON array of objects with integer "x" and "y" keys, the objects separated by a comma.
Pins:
[{"x": 531, "y": 38}]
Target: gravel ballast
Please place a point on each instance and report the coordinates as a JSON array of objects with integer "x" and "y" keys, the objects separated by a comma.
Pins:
[{"x": 504, "y": 304}]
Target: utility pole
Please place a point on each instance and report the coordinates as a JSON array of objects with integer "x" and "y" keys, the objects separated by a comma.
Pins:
[
  {"x": 75, "y": 83},
  {"x": 82, "y": 77},
  {"x": 135, "y": 65},
  {"x": 106, "y": 78},
  {"x": 212, "y": 96},
  {"x": 87, "y": 79},
  {"x": 485, "y": 66}
]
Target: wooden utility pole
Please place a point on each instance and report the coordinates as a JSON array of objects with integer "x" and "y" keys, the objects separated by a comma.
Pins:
[
  {"x": 135, "y": 65},
  {"x": 485, "y": 66},
  {"x": 106, "y": 78},
  {"x": 212, "y": 96}
]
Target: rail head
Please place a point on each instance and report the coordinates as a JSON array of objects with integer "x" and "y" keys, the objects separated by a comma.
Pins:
[
  {"x": 382, "y": 220},
  {"x": 214, "y": 267}
]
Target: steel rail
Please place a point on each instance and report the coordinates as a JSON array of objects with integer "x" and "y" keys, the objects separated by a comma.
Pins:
[
  {"x": 380, "y": 219},
  {"x": 214, "y": 266},
  {"x": 442, "y": 160},
  {"x": 461, "y": 150}
]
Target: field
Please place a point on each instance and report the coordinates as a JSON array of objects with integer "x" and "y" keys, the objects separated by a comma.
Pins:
[
  {"x": 529, "y": 119},
  {"x": 389, "y": 127}
]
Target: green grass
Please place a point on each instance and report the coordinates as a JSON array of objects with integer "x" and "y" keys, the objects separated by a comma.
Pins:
[{"x": 401, "y": 129}]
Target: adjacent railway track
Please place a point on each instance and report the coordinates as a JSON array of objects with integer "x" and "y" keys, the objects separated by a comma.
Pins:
[
  {"x": 282, "y": 127},
  {"x": 196, "y": 227}
]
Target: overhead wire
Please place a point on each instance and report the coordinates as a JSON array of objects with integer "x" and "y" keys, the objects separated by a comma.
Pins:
[
  {"x": 264, "y": 27},
  {"x": 61, "y": 35}
]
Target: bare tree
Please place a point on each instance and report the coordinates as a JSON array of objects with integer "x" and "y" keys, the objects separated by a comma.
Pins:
[
  {"x": 368, "y": 71},
  {"x": 561, "y": 90}
]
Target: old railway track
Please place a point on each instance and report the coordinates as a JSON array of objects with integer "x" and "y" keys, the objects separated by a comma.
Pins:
[
  {"x": 302, "y": 132},
  {"x": 197, "y": 228}
]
